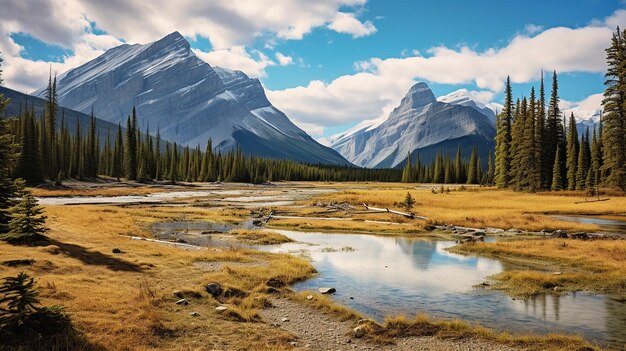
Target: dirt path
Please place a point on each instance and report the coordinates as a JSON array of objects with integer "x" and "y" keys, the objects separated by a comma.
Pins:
[{"x": 318, "y": 331}]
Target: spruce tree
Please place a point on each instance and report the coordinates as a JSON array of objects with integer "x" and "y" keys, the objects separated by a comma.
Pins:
[
  {"x": 27, "y": 221},
  {"x": 557, "y": 179},
  {"x": 490, "y": 169},
  {"x": 408, "y": 201},
  {"x": 503, "y": 139},
  {"x": 472, "y": 169},
  {"x": 8, "y": 155},
  {"x": 572, "y": 153},
  {"x": 540, "y": 127},
  {"x": 130, "y": 149},
  {"x": 596, "y": 158},
  {"x": 29, "y": 165},
  {"x": 553, "y": 133},
  {"x": 407, "y": 171},
  {"x": 582, "y": 167},
  {"x": 458, "y": 167},
  {"x": 614, "y": 118}
]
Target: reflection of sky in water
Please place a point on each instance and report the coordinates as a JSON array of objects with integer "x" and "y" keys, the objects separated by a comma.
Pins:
[{"x": 390, "y": 275}]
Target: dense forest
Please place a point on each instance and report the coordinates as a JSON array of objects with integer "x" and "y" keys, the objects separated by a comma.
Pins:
[{"x": 536, "y": 151}]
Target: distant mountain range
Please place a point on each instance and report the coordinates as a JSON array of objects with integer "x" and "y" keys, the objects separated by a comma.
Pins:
[
  {"x": 422, "y": 126},
  {"x": 188, "y": 100}
]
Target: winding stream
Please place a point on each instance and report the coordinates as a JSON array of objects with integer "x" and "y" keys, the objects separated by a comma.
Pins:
[{"x": 381, "y": 276}]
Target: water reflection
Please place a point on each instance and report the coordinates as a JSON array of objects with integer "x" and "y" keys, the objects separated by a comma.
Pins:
[
  {"x": 382, "y": 276},
  {"x": 616, "y": 224}
]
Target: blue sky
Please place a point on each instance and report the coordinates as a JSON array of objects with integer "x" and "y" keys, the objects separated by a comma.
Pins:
[{"x": 334, "y": 63}]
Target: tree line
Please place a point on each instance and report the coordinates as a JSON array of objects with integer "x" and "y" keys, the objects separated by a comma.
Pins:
[{"x": 535, "y": 150}]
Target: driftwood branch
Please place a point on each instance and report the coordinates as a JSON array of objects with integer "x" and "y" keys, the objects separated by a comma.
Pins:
[{"x": 405, "y": 214}]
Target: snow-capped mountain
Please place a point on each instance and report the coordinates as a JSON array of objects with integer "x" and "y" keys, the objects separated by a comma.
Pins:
[
  {"x": 189, "y": 101},
  {"x": 464, "y": 97},
  {"x": 419, "y": 125}
]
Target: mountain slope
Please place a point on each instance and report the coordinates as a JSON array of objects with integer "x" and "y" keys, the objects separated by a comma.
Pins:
[
  {"x": 19, "y": 102},
  {"x": 419, "y": 125},
  {"x": 189, "y": 101}
]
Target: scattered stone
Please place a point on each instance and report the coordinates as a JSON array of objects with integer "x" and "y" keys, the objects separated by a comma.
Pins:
[
  {"x": 309, "y": 297},
  {"x": 351, "y": 297},
  {"x": 494, "y": 230},
  {"x": 194, "y": 314},
  {"x": 177, "y": 293},
  {"x": 182, "y": 302},
  {"x": 214, "y": 289},
  {"x": 557, "y": 273},
  {"x": 16, "y": 263},
  {"x": 293, "y": 343},
  {"x": 359, "y": 331},
  {"x": 221, "y": 308},
  {"x": 181, "y": 241},
  {"x": 514, "y": 231},
  {"x": 284, "y": 320},
  {"x": 430, "y": 228},
  {"x": 327, "y": 290},
  {"x": 116, "y": 251}
]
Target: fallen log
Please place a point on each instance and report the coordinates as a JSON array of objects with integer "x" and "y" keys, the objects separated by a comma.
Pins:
[{"x": 405, "y": 214}]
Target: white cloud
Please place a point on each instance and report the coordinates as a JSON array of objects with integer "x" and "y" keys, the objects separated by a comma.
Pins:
[
  {"x": 589, "y": 107},
  {"x": 379, "y": 84},
  {"x": 238, "y": 58},
  {"x": 284, "y": 60},
  {"x": 532, "y": 29},
  {"x": 348, "y": 24}
]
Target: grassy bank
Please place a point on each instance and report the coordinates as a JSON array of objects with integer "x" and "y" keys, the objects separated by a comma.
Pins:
[
  {"x": 487, "y": 207},
  {"x": 125, "y": 301},
  {"x": 556, "y": 265}
]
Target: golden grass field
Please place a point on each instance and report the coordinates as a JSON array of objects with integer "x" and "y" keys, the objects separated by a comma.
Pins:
[
  {"x": 597, "y": 265},
  {"x": 126, "y": 301},
  {"x": 487, "y": 207}
]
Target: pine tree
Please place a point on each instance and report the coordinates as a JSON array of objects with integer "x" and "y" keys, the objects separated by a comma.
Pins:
[
  {"x": 557, "y": 179},
  {"x": 582, "y": 167},
  {"x": 458, "y": 167},
  {"x": 8, "y": 156},
  {"x": 408, "y": 201},
  {"x": 407, "y": 172},
  {"x": 472, "y": 169},
  {"x": 531, "y": 174},
  {"x": 614, "y": 118},
  {"x": 572, "y": 153},
  {"x": 173, "y": 167},
  {"x": 540, "y": 127},
  {"x": 29, "y": 164},
  {"x": 503, "y": 139},
  {"x": 554, "y": 129},
  {"x": 130, "y": 150},
  {"x": 517, "y": 139},
  {"x": 596, "y": 158},
  {"x": 27, "y": 220},
  {"x": 490, "y": 169}
]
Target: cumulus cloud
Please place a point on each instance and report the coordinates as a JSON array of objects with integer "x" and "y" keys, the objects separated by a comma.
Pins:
[
  {"x": 238, "y": 58},
  {"x": 348, "y": 24},
  {"x": 229, "y": 25},
  {"x": 284, "y": 60},
  {"x": 586, "y": 108},
  {"x": 379, "y": 84}
]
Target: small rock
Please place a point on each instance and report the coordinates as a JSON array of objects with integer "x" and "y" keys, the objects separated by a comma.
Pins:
[
  {"x": 351, "y": 297},
  {"x": 327, "y": 290},
  {"x": 221, "y": 308},
  {"x": 116, "y": 251},
  {"x": 194, "y": 314},
  {"x": 557, "y": 273},
  {"x": 214, "y": 289},
  {"x": 293, "y": 343},
  {"x": 359, "y": 331},
  {"x": 309, "y": 297},
  {"x": 284, "y": 320},
  {"x": 183, "y": 302},
  {"x": 177, "y": 293},
  {"x": 181, "y": 241}
]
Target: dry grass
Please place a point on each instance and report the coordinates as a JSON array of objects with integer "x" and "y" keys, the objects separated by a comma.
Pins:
[
  {"x": 421, "y": 325},
  {"x": 96, "y": 191},
  {"x": 597, "y": 266},
  {"x": 488, "y": 207},
  {"x": 125, "y": 301},
  {"x": 258, "y": 237}
]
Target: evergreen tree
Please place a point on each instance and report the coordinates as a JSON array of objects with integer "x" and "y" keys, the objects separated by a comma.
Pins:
[
  {"x": 503, "y": 139},
  {"x": 472, "y": 170},
  {"x": 582, "y": 167},
  {"x": 554, "y": 129},
  {"x": 490, "y": 169},
  {"x": 557, "y": 179},
  {"x": 173, "y": 168},
  {"x": 517, "y": 138},
  {"x": 29, "y": 165},
  {"x": 130, "y": 150},
  {"x": 572, "y": 153},
  {"x": 8, "y": 155},
  {"x": 596, "y": 158},
  {"x": 27, "y": 220},
  {"x": 540, "y": 127},
  {"x": 458, "y": 167},
  {"x": 614, "y": 118},
  {"x": 408, "y": 201},
  {"x": 407, "y": 172}
]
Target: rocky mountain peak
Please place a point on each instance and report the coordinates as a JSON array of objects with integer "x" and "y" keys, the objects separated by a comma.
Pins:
[{"x": 419, "y": 95}]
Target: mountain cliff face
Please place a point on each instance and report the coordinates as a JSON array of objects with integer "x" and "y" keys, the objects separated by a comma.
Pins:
[
  {"x": 188, "y": 100},
  {"x": 420, "y": 125}
]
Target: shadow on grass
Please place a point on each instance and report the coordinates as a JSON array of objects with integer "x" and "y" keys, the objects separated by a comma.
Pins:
[{"x": 94, "y": 257}]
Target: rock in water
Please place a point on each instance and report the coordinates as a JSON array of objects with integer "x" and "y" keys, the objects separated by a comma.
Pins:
[{"x": 327, "y": 290}]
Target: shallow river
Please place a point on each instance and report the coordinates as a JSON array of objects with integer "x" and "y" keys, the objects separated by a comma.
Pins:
[{"x": 382, "y": 276}]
